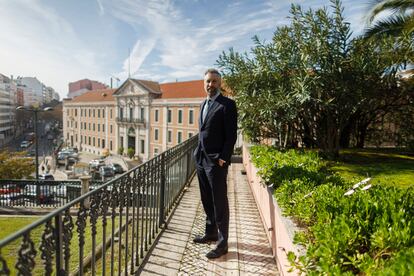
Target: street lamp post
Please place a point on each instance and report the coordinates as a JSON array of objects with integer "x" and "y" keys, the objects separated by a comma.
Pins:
[{"x": 35, "y": 111}]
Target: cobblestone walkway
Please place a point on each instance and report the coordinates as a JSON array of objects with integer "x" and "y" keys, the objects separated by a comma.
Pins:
[{"x": 249, "y": 251}]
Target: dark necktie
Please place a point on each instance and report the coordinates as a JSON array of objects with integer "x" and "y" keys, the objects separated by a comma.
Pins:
[{"x": 205, "y": 110}]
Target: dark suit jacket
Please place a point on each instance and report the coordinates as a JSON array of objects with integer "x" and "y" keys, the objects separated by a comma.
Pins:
[{"x": 218, "y": 132}]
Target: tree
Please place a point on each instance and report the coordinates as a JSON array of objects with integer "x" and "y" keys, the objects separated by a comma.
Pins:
[
  {"x": 13, "y": 165},
  {"x": 312, "y": 83},
  {"x": 400, "y": 21}
]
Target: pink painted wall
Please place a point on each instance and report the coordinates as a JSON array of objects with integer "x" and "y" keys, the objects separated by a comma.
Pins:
[{"x": 271, "y": 217}]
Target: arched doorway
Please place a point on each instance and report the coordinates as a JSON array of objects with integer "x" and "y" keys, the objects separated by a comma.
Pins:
[{"x": 131, "y": 138}]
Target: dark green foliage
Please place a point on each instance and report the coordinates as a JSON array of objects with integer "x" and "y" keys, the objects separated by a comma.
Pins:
[
  {"x": 313, "y": 85},
  {"x": 370, "y": 231}
]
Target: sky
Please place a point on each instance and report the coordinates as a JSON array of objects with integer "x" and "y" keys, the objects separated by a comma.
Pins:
[{"x": 160, "y": 40}]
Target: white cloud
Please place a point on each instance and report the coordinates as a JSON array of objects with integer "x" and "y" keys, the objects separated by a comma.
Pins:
[
  {"x": 140, "y": 51},
  {"x": 185, "y": 47},
  {"x": 36, "y": 41}
]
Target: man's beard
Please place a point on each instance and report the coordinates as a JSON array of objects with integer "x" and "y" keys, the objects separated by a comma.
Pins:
[{"x": 213, "y": 91}]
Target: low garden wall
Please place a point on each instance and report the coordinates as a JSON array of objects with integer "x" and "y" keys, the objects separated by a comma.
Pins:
[{"x": 278, "y": 228}]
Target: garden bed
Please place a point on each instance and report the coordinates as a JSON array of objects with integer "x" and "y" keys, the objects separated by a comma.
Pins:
[{"x": 357, "y": 229}]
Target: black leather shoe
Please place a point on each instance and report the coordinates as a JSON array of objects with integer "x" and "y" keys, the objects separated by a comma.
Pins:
[
  {"x": 205, "y": 239},
  {"x": 217, "y": 252}
]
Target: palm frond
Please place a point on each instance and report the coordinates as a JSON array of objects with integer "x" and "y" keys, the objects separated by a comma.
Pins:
[
  {"x": 393, "y": 25},
  {"x": 392, "y": 5}
]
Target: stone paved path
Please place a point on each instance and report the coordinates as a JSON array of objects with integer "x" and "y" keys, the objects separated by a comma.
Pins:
[{"x": 249, "y": 251}]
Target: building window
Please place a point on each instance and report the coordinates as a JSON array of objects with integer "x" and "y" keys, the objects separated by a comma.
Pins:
[
  {"x": 179, "y": 137},
  {"x": 111, "y": 128},
  {"x": 110, "y": 145},
  {"x": 122, "y": 142},
  {"x": 76, "y": 112},
  {"x": 191, "y": 117},
  {"x": 103, "y": 143},
  {"x": 121, "y": 113},
  {"x": 169, "y": 138},
  {"x": 99, "y": 113},
  {"x": 142, "y": 113},
  {"x": 180, "y": 116},
  {"x": 110, "y": 113},
  {"x": 76, "y": 138},
  {"x": 131, "y": 113},
  {"x": 99, "y": 142},
  {"x": 103, "y": 127},
  {"x": 169, "y": 116},
  {"x": 89, "y": 140},
  {"x": 155, "y": 151},
  {"x": 156, "y": 115},
  {"x": 103, "y": 113},
  {"x": 156, "y": 134},
  {"x": 142, "y": 146},
  {"x": 93, "y": 141}
]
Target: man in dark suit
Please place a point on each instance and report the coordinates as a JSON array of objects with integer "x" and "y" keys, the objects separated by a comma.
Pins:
[{"x": 217, "y": 136}]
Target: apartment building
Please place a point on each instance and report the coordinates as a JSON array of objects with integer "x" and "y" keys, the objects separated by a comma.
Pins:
[
  {"x": 89, "y": 121},
  {"x": 33, "y": 90},
  {"x": 143, "y": 115},
  {"x": 8, "y": 92},
  {"x": 80, "y": 87}
]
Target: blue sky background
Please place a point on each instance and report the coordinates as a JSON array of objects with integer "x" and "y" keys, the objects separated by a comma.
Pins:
[{"x": 67, "y": 40}]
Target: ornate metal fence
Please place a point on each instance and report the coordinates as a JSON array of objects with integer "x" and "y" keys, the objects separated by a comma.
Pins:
[
  {"x": 107, "y": 230},
  {"x": 40, "y": 193}
]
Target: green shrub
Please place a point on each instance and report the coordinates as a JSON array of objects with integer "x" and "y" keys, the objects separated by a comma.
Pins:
[
  {"x": 366, "y": 232},
  {"x": 120, "y": 150},
  {"x": 131, "y": 152}
]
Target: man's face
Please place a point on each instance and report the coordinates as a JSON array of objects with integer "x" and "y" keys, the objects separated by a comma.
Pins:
[{"x": 212, "y": 83}]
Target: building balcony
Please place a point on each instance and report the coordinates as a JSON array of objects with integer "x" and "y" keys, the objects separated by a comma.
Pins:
[
  {"x": 135, "y": 121},
  {"x": 145, "y": 221}
]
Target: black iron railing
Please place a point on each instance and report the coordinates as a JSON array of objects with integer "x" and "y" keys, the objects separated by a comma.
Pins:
[
  {"x": 130, "y": 120},
  {"x": 40, "y": 193},
  {"x": 108, "y": 230}
]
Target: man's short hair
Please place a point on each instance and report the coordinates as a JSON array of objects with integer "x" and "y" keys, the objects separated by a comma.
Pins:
[{"x": 212, "y": 71}]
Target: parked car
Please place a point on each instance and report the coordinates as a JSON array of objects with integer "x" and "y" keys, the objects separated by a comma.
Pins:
[
  {"x": 31, "y": 152},
  {"x": 61, "y": 157},
  {"x": 46, "y": 176},
  {"x": 106, "y": 171},
  {"x": 116, "y": 168},
  {"x": 46, "y": 193},
  {"x": 25, "y": 144},
  {"x": 10, "y": 189},
  {"x": 69, "y": 151},
  {"x": 96, "y": 163}
]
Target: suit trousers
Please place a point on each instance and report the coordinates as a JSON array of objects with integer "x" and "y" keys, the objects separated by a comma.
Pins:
[{"x": 213, "y": 189}]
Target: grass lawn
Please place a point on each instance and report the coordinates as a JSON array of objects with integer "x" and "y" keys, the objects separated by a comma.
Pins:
[
  {"x": 8, "y": 225},
  {"x": 385, "y": 166}
]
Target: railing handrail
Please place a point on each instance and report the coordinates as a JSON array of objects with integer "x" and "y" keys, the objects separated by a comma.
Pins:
[{"x": 56, "y": 212}]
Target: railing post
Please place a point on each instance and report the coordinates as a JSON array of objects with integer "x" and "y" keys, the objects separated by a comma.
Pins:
[
  {"x": 162, "y": 191},
  {"x": 59, "y": 245},
  {"x": 85, "y": 188}
]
